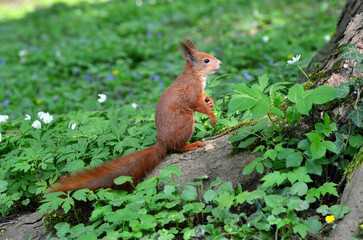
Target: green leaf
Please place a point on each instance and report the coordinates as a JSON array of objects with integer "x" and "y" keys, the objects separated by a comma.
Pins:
[
  {"x": 75, "y": 165},
  {"x": 299, "y": 174},
  {"x": 247, "y": 142},
  {"x": 241, "y": 198},
  {"x": 62, "y": 229},
  {"x": 259, "y": 110},
  {"x": 295, "y": 93},
  {"x": 3, "y": 186},
  {"x": 303, "y": 106},
  {"x": 313, "y": 167},
  {"x": 356, "y": 115},
  {"x": 299, "y": 188},
  {"x": 250, "y": 167},
  {"x": 274, "y": 200},
  {"x": 298, "y": 205},
  {"x": 274, "y": 178},
  {"x": 317, "y": 149},
  {"x": 328, "y": 187},
  {"x": 168, "y": 189},
  {"x": 313, "y": 224},
  {"x": 189, "y": 193},
  {"x": 216, "y": 182},
  {"x": 210, "y": 195},
  {"x": 262, "y": 82},
  {"x": 294, "y": 159},
  {"x": 351, "y": 53},
  {"x": 225, "y": 200},
  {"x": 342, "y": 90},
  {"x": 67, "y": 204},
  {"x": 293, "y": 116},
  {"x": 166, "y": 173},
  {"x": 122, "y": 179},
  {"x": 241, "y": 104},
  {"x": 301, "y": 229},
  {"x": 355, "y": 141},
  {"x": 147, "y": 222},
  {"x": 330, "y": 146},
  {"x": 257, "y": 194},
  {"x": 339, "y": 211},
  {"x": 322, "y": 94}
]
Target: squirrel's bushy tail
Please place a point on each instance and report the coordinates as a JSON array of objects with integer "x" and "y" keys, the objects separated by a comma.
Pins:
[{"x": 135, "y": 165}]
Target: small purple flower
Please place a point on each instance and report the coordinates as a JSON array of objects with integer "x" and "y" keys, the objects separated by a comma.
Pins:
[
  {"x": 89, "y": 77},
  {"x": 99, "y": 76},
  {"x": 7, "y": 101},
  {"x": 3, "y": 62},
  {"x": 263, "y": 66},
  {"x": 161, "y": 84},
  {"x": 154, "y": 77},
  {"x": 150, "y": 26},
  {"x": 247, "y": 76},
  {"x": 218, "y": 49},
  {"x": 35, "y": 75},
  {"x": 134, "y": 74},
  {"x": 271, "y": 62},
  {"x": 55, "y": 98},
  {"x": 110, "y": 76},
  {"x": 75, "y": 72}
]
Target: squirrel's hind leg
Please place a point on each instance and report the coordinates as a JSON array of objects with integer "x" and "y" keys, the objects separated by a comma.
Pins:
[{"x": 191, "y": 146}]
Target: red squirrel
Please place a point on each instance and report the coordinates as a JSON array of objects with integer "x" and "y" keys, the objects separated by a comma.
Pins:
[{"x": 174, "y": 120}]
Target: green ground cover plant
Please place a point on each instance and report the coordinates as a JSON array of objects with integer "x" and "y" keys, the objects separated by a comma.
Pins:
[{"x": 55, "y": 61}]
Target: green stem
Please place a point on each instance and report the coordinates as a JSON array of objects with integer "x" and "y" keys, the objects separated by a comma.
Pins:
[
  {"x": 75, "y": 213},
  {"x": 303, "y": 72}
]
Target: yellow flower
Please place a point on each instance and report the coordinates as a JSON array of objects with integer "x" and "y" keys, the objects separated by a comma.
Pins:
[
  {"x": 216, "y": 114},
  {"x": 361, "y": 226},
  {"x": 329, "y": 218},
  {"x": 54, "y": 215},
  {"x": 2, "y": 230},
  {"x": 115, "y": 72},
  {"x": 285, "y": 97},
  {"x": 309, "y": 74},
  {"x": 203, "y": 139},
  {"x": 205, "y": 124},
  {"x": 290, "y": 56},
  {"x": 172, "y": 216},
  {"x": 38, "y": 101},
  {"x": 91, "y": 192},
  {"x": 142, "y": 138},
  {"x": 74, "y": 136},
  {"x": 273, "y": 140}
]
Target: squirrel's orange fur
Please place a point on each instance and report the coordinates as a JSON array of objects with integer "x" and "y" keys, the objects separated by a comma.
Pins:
[{"x": 174, "y": 119}]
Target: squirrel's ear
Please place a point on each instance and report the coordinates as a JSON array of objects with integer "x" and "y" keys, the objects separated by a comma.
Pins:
[
  {"x": 190, "y": 44},
  {"x": 188, "y": 52}
]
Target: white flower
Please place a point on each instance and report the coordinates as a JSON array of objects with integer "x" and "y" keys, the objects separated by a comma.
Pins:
[
  {"x": 4, "y": 118},
  {"x": 1, "y": 138},
  {"x": 327, "y": 38},
  {"x": 58, "y": 54},
  {"x": 37, "y": 124},
  {"x": 134, "y": 105},
  {"x": 265, "y": 39},
  {"x": 46, "y": 117},
  {"x": 72, "y": 124},
  {"x": 102, "y": 98},
  {"x": 294, "y": 59},
  {"x": 27, "y": 117},
  {"x": 40, "y": 114},
  {"x": 22, "y": 53}
]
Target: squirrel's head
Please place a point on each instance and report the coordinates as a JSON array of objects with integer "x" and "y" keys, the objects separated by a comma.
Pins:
[{"x": 202, "y": 63}]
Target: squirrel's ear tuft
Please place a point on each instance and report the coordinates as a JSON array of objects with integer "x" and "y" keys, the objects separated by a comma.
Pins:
[
  {"x": 188, "y": 50},
  {"x": 190, "y": 44}
]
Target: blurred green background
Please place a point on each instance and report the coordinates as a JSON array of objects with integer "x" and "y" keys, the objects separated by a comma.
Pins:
[{"x": 56, "y": 56}]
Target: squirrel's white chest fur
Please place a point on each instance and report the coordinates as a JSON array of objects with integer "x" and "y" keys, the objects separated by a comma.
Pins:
[{"x": 204, "y": 82}]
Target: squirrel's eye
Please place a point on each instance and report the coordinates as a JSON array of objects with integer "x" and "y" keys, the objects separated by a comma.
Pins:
[{"x": 206, "y": 60}]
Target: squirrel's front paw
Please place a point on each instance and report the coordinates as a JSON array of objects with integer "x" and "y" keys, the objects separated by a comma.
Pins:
[{"x": 210, "y": 102}]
